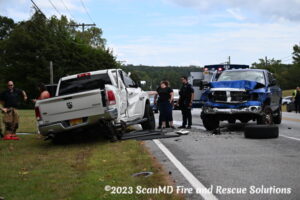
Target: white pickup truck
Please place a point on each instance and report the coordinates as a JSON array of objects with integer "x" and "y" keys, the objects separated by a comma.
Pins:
[{"x": 103, "y": 100}]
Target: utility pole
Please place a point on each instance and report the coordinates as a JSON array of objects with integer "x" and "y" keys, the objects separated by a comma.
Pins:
[
  {"x": 266, "y": 61},
  {"x": 51, "y": 72},
  {"x": 229, "y": 60},
  {"x": 82, "y": 25}
]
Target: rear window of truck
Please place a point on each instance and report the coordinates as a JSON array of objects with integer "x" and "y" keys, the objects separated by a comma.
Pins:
[{"x": 82, "y": 84}]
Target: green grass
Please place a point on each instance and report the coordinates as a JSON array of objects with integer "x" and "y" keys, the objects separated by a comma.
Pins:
[
  {"x": 35, "y": 169},
  {"x": 27, "y": 121}
]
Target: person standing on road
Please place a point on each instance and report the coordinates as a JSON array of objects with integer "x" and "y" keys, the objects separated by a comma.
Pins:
[
  {"x": 185, "y": 102},
  {"x": 10, "y": 99},
  {"x": 165, "y": 98},
  {"x": 296, "y": 95}
]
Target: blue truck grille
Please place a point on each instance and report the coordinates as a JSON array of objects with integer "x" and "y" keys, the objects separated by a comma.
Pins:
[{"x": 229, "y": 96}]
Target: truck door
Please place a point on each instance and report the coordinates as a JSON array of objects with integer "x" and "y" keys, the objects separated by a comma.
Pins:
[
  {"x": 275, "y": 92},
  {"x": 122, "y": 94},
  {"x": 134, "y": 99}
]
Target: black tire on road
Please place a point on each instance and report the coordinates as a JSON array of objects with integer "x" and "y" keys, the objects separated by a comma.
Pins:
[
  {"x": 261, "y": 131},
  {"x": 209, "y": 122},
  {"x": 150, "y": 123}
]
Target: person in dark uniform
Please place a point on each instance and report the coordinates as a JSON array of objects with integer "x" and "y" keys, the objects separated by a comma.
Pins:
[
  {"x": 10, "y": 99},
  {"x": 165, "y": 99},
  {"x": 297, "y": 100},
  {"x": 159, "y": 118},
  {"x": 186, "y": 97}
]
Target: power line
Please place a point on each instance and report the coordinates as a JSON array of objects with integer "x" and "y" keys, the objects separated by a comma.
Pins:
[
  {"x": 286, "y": 57},
  {"x": 67, "y": 9},
  {"x": 82, "y": 25},
  {"x": 37, "y": 8},
  {"x": 86, "y": 11},
  {"x": 55, "y": 7}
]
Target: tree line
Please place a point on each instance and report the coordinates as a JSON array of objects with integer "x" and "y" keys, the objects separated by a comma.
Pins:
[
  {"x": 27, "y": 47},
  {"x": 152, "y": 75},
  {"x": 287, "y": 75}
]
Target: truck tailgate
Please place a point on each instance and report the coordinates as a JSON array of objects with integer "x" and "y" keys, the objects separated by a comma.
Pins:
[{"x": 72, "y": 106}]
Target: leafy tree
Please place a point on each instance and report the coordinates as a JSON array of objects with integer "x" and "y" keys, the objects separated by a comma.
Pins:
[
  {"x": 6, "y": 26},
  {"x": 29, "y": 46},
  {"x": 296, "y": 54}
]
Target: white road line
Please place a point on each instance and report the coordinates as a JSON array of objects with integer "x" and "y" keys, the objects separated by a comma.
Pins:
[
  {"x": 292, "y": 138},
  {"x": 198, "y": 186}
]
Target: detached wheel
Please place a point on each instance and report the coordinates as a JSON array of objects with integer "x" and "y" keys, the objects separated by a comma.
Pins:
[
  {"x": 261, "y": 131},
  {"x": 209, "y": 122},
  {"x": 150, "y": 123}
]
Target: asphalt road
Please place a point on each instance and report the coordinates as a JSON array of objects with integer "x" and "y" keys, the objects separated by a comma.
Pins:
[{"x": 231, "y": 162}]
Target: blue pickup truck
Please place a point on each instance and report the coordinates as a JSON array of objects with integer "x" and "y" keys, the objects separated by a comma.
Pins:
[{"x": 244, "y": 95}]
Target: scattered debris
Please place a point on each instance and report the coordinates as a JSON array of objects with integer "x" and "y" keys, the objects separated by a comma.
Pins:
[
  {"x": 144, "y": 174},
  {"x": 182, "y": 132}
]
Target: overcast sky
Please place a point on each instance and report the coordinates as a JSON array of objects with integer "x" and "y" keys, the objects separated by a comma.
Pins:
[{"x": 182, "y": 32}]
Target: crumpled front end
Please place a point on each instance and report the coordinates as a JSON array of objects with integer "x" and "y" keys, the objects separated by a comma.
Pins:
[{"x": 235, "y": 97}]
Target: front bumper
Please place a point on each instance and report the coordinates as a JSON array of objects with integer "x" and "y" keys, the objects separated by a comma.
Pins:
[
  {"x": 62, "y": 126},
  {"x": 231, "y": 111}
]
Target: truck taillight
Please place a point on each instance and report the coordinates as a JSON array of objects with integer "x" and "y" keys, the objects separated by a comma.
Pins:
[
  {"x": 38, "y": 114},
  {"x": 205, "y": 69},
  {"x": 83, "y": 75},
  {"x": 220, "y": 69},
  {"x": 111, "y": 98}
]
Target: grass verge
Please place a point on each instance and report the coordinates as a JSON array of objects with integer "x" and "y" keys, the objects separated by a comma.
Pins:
[{"x": 35, "y": 169}]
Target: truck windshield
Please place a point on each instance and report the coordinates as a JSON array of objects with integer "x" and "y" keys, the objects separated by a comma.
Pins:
[
  {"x": 256, "y": 76},
  {"x": 83, "y": 84}
]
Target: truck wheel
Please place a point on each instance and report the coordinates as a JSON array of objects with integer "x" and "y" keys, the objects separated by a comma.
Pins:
[
  {"x": 261, "y": 131},
  {"x": 209, "y": 122},
  {"x": 111, "y": 132},
  {"x": 266, "y": 117},
  {"x": 150, "y": 123},
  {"x": 277, "y": 119}
]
